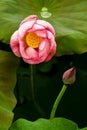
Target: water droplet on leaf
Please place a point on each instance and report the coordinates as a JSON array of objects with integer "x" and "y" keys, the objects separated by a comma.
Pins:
[{"x": 45, "y": 13}]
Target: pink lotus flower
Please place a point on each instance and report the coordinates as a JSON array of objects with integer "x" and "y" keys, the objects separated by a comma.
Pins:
[{"x": 34, "y": 41}]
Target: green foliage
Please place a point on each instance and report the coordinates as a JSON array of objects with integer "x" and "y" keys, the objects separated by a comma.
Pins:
[
  {"x": 68, "y": 18},
  {"x": 44, "y": 124},
  {"x": 84, "y": 128},
  {"x": 8, "y": 66}
]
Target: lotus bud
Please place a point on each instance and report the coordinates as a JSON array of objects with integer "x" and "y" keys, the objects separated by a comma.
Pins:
[{"x": 69, "y": 76}]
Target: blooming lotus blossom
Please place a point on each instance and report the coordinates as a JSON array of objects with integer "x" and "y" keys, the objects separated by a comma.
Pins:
[
  {"x": 34, "y": 41},
  {"x": 69, "y": 76}
]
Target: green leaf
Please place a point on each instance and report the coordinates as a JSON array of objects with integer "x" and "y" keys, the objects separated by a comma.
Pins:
[
  {"x": 8, "y": 67},
  {"x": 84, "y": 128},
  {"x": 68, "y": 17},
  {"x": 72, "y": 44},
  {"x": 44, "y": 124}
]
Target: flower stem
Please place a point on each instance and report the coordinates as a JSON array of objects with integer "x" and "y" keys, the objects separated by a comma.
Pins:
[
  {"x": 32, "y": 80},
  {"x": 57, "y": 101}
]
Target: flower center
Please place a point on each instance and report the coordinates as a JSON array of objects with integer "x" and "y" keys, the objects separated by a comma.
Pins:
[{"x": 33, "y": 40}]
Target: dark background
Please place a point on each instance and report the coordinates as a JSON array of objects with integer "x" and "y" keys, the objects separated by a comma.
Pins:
[{"x": 47, "y": 84}]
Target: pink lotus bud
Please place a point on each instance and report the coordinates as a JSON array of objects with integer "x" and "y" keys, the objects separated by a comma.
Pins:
[
  {"x": 34, "y": 41},
  {"x": 69, "y": 76}
]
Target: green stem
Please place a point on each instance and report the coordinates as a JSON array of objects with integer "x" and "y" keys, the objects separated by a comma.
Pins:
[
  {"x": 32, "y": 80},
  {"x": 57, "y": 101}
]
